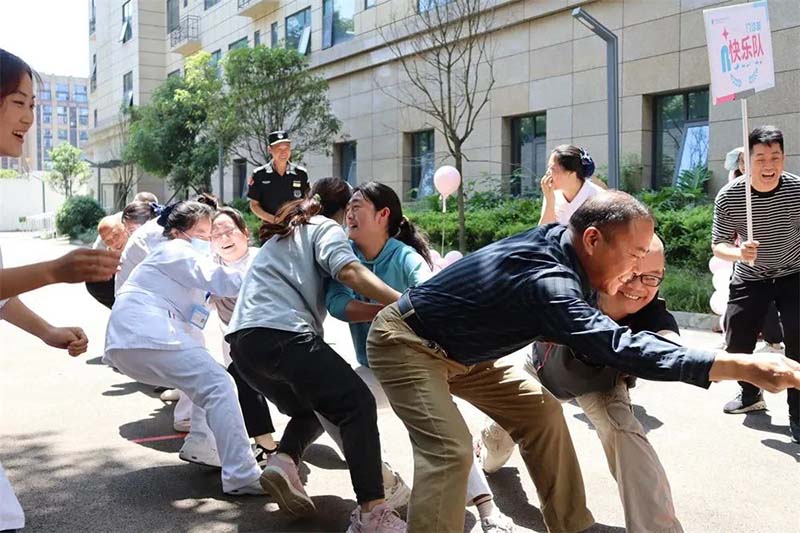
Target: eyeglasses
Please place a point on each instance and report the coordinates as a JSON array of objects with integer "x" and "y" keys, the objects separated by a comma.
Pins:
[
  {"x": 647, "y": 279},
  {"x": 217, "y": 236}
]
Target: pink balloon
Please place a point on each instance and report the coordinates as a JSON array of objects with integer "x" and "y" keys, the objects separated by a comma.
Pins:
[
  {"x": 715, "y": 264},
  {"x": 446, "y": 179},
  {"x": 435, "y": 256}
]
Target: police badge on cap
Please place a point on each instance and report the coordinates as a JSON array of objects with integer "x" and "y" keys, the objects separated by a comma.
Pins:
[{"x": 278, "y": 137}]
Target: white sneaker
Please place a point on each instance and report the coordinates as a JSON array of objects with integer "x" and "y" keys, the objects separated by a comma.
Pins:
[
  {"x": 398, "y": 494},
  {"x": 170, "y": 395},
  {"x": 493, "y": 448},
  {"x": 196, "y": 452},
  {"x": 253, "y": 488},
  {"x": 182, "y": 426},
  {"x": 771, "y": 347},
  {"x": 497, "y": 523}
]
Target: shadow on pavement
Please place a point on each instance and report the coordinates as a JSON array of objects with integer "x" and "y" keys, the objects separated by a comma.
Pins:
[
  {"x": 649, "y": 422},
  {"x": 510, "y": 498},
  {"x": 159, "y": 424},
  {"x": 99, "y": 492},
  {"x": 131, "y": 387},
  {"x": 324, "y": 457},
  {"x": 762, "y": 421},
  {"x": 789, "y": 448}
]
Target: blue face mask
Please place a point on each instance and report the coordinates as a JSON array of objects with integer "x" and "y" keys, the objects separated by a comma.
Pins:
[{"x": 203, "y": 247}]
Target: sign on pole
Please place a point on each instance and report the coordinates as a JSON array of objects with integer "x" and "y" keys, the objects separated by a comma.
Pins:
[
  {"x": 740, "y": 58},
  {"x": 739, "y": 51}
]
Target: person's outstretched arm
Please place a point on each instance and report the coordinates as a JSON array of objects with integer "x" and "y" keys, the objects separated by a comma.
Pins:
[
  {"x": 71, "y": 339},
  {"x": 363, "y": 281}
]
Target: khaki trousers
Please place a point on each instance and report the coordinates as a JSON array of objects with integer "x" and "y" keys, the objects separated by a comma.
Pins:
[
  {"x": 642, "y": 481},
  {"x": 418, "y": 380}
]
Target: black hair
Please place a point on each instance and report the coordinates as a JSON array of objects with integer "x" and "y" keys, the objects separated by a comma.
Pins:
[
  {"x": 234, "y": 215},
  {"x": 138, "y": 212},
  {"x": 12, "y": 69},
  {"x": 328, "y": 197},
  {"x": 607, "y": 212},
  {"x": 209, "y": 199},
  {"x": 768, "y": 135},
  {"x": 400, "y": 227},
  {"x": 574, "y": 159},
  {"x": 182, "y": 216}
]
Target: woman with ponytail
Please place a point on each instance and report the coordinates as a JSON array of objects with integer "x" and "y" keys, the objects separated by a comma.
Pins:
[
  {"x": 277, "y": 345},
  {"x": 387, "y": 243},
  {"x": 566, "y": 185}
]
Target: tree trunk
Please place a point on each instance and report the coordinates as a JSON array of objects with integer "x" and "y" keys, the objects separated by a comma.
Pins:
[{"x": 462, "y": 237}]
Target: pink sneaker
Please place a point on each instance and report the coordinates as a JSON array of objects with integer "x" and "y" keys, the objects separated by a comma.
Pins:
[
  {"x": 280, "y": 479},
  {"x": 382, "y": 519}
]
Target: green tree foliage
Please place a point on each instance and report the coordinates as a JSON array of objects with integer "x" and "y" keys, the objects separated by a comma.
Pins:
[
  {"x": 174, "y": 135},
  {"x": 7, "y": 173},
  {"x": 271, "y": 89},
  {"x": 78, "y": 215},
  {"x": 69, "y": 171}
]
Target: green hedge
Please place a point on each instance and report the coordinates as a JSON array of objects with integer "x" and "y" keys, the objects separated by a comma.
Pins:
[{"x": 78, "y": 215}]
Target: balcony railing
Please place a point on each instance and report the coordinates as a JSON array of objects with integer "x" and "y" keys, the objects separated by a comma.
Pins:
[
  {"x": 185, "y": 38},
  {"x": 256, "y": 8}
]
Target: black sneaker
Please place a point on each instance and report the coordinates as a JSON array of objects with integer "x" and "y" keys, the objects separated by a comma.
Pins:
[
  {"x": 262, "y": 454},
  {"x": 794, "y": 428},
  {"x": 738, "y": 406}
]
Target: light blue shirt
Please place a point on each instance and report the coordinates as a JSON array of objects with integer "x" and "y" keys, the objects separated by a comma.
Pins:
[{"x": 398, "y": 265}]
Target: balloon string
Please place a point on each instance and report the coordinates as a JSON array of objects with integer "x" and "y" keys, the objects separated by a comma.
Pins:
[{"x": 444, "y": 210}]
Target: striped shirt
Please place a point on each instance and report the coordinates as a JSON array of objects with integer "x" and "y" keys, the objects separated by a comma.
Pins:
[
  {"x": 530, "y": 287},
  {"x": 776, "y": 226}
]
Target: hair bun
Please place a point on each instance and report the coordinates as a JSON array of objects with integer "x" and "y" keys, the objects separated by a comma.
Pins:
[
  {"x": 163, "y": 216},
  {"x": 587, "y": 164}
]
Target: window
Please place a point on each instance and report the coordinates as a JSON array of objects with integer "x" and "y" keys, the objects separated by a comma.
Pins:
[
  {"x": 83, "y": 116},
  {"x": 239, "y": 178},
  {"x": 273, "y": 35},
  {"x": 48, "y": 139},
  {"x": 370, "y": 3},
  {"x": 127, "y": 89},
  {"x": 92, "y": 19},
  {"x": 348, "y": 168},
  {"x": 216, "y": 55},
  {"x": 174, "y": 73},
  {"x": 79, "y": 93},
  {"x": 62, "y": 92},
  {"x": 83, "y": 139},
  {"x": 47, "y": 114},
  {"x": 422, "y": 164},
  {"x": 210, "y": 3},
  {"x": 257, "y": 38},
  {"x": 63, "y": 134},
  {"x": 680, "y": 135},
  {"x": 93, "y": 81},
  {"x": 337, "y": 21},
  {"x": 298, "y": 30},
  {"x": 427, "y": 5},
  {"x": 173, "y": 15},
  {"x": 241, "y": 43},
  {"x": 528, "y": 154},
  {"x": 127, "y": 22},
  {"x": 62, "y": 114},
  {"x": 95, "y": 118},
  {"x": 44, "y": 91}
]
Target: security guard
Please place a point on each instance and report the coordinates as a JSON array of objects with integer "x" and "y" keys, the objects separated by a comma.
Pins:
[{"x": 277, "y": 182}]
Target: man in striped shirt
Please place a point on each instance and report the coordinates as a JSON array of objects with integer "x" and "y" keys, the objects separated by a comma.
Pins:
[
  {"x": 446, "y": 335},
  {"x": 767, "y": 265}
]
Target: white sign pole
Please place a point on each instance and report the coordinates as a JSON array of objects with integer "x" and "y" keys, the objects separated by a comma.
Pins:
[{"x": 747, "y": 177}]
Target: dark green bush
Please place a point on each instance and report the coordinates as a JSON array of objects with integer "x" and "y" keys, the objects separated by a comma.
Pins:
[
  {"x": 687, "y": 289},
  {"x": 240, "y": 204},
  {"x": 77, "y": 215}
]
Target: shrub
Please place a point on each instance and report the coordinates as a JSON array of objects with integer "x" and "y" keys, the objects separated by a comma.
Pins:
[
  {"x": 687, "y": 289},
  {"x": 686, "y": 234},
  {"x": 78, "y": 214},
  {"x": 240, "y": 204}
]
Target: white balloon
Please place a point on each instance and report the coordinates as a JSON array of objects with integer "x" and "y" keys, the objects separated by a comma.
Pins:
[
  {"x": 718, "y": 302},
  {"x": 721, "y": 280}
]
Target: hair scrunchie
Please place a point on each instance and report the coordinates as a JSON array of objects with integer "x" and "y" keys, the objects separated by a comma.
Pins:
[
  {"x": 317, "y": 198},
  {"x": 587, "y": 163},
  {"x": 163, "y": 216}
]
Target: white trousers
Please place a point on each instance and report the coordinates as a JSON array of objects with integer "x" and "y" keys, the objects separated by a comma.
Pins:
[
  {"x": 216, "y": 415},
  {"x": 11, "y": 515},
  {"x": 183, "y": 407},
  {"x": 476, "y": 484}
]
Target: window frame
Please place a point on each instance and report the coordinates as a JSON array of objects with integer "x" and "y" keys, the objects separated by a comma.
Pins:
[
  {"x": 235, "y": 45},
  {"x": 655, "y": 182},
  {"x": 515, "y": 161},
  {"x": 273, "y": 35},
  {"x": 208, "y": 4},
  {"x": 127, "y": 91},
  {"x": 329, "y": 38},
  {"x": 256, "y": 38},
  {"x": 304, "y": 39},
  {"x": 417, "y": 170},
  {"x": 126, "y": 33}
]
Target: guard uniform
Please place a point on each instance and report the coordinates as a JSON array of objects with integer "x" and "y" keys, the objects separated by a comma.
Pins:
[{"x": 270, "y": 189}]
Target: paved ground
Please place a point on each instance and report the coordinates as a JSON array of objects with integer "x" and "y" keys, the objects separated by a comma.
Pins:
[{"x": 68, "y": 430}]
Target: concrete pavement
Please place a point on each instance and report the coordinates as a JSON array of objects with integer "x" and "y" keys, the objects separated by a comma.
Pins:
[{"x": 83, "y": 445}]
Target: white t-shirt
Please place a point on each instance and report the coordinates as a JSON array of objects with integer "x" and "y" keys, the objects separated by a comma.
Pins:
[
  {"x": 142, "y": 242},
  {"x": 564, "y": 209}
]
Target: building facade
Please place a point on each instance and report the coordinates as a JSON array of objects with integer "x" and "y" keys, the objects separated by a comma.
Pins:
[
  {"x": 550, "y": 84},
  {"x": 62, "y": 115}
]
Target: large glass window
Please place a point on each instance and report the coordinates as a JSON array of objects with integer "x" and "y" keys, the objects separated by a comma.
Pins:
[
  {"x": 273, "y": 35},
  {"x": 47, "y": 114},
  {"x": 83, "y": 116},
  {"x": 79, "y": 92},
  {"x": 680, "y": 135},
  {"x": 62, "y": 92},
  {"x": 127, "y": 89},
  {"x": 63, "y": 135},
  {"x": 47, "y": 139},
  {"x": 348, "y": 168},
  {"x": 44, "y": 91},
  {"x": 337, "y": 21},
  {"x": 62, "y": 114},
  {"x": 528, "y": 154},
  {"x": 422, "y": 164},
  {"x": 298, "y": 31},
  {"x": 241, "y": 43},
  {"x": 257, "y": 38},
  {"x": 127, "y": 22},
  {"x": 211, "y": 3},
  {"x": 173, "y": 15},
  {"x": 216, "y": 55},
  {"x": 370, "y": 3}
]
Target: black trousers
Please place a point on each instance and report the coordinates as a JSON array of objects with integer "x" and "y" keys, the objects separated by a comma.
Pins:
[
  {"x": 771, "y": 329},
  {"x": 102, "y": 291},
  {"x": 301, "y": 374},
  {"x": 255, "y": 408},
  {"x": 748, "y": 304}
]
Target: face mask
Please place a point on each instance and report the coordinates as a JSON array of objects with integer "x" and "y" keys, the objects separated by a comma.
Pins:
[{"x": 203, "y": 247}]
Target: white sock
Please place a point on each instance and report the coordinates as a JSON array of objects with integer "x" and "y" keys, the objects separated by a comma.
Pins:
[{"x": 486, "y": 508}]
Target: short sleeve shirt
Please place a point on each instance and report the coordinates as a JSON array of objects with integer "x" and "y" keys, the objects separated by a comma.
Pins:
[{"x": 271, "y": 190}]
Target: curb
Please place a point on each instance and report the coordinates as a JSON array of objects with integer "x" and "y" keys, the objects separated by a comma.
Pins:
[{"x": 697, "y": 320}]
